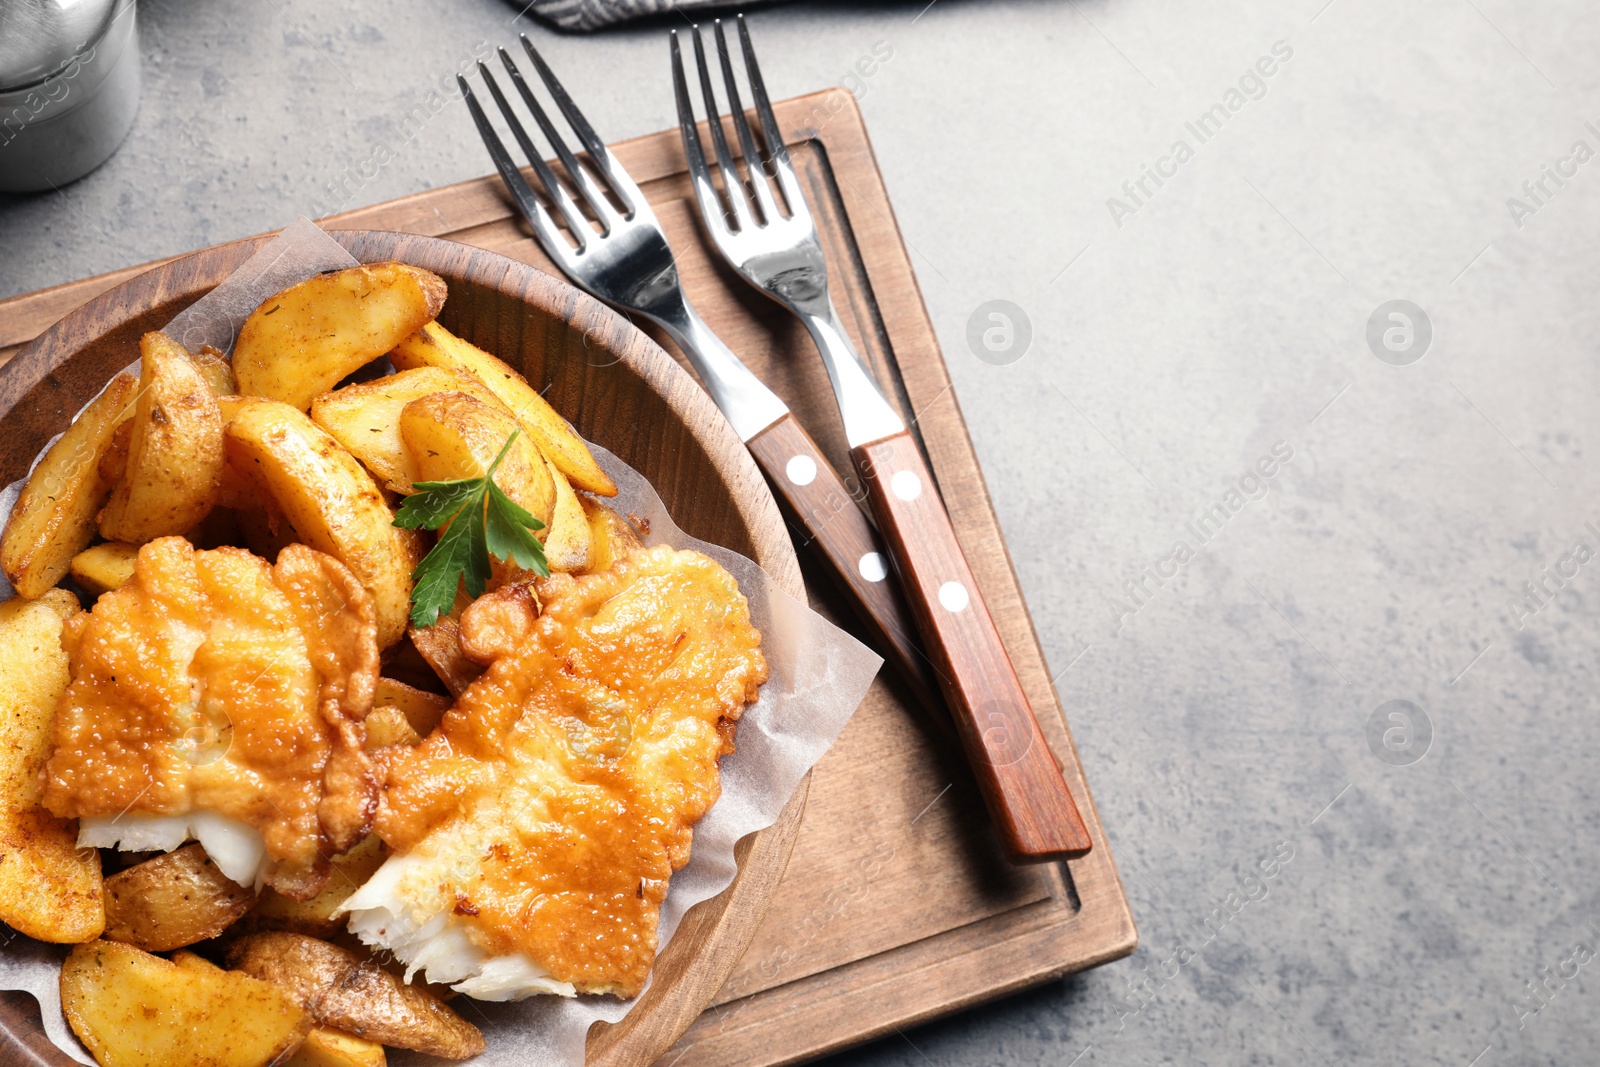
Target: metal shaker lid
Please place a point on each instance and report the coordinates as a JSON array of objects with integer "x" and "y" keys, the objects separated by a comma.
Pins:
[{"x": 39, "y": 38}]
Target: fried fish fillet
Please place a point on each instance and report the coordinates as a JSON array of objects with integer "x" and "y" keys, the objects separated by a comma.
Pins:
[
  {"x": 536, "y": 829},
  {"x": 217, "y": 696}
]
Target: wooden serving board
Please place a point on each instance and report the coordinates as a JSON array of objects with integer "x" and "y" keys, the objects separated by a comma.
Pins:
[{"x": 897, "y": 905}]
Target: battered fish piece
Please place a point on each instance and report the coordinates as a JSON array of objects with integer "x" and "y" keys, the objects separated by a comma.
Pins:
[
  {"x": 535, "y": 830},
  {"x": 217, "y": 696}
]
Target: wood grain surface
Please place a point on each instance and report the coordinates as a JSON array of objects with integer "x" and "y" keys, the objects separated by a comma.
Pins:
[
  {"x": 1019, "y": 778},
  {"x": 897, "y": 905},
  {"x": 829, "y": 522}
]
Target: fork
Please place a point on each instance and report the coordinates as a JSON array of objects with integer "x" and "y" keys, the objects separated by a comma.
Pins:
[
  {"x": 780, "y": 254},
  {"x": 628, "y": 263}
]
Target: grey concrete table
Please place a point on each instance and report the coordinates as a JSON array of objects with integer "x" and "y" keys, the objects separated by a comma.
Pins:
[{"x": 1340, "y": 717}]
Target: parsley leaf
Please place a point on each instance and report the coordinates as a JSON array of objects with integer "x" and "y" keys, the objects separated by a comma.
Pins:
[
  {"x": 482, "y": 521},
  {"x": 507, "y": 532},
  {"x": 436, "y": 503}
]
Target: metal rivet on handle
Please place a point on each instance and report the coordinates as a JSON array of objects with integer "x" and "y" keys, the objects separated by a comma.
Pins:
[
  {"x": 873, "y": 568},
  {"x": 953, "y": 595},
  {"x": 802, "y": 470},
  {"x": 906, "y": 485}
]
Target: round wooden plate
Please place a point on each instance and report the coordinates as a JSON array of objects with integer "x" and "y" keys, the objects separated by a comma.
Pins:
[{"x": 615, "y": 385}]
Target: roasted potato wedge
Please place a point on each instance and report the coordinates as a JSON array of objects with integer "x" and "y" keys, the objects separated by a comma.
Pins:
[
  {"x": 133, "y": 1009},
  {"x": 49, "y": 888},
  {"x": 440, "y": 645},
  {"x": 172, "y": 900},
  {"x": 456, "y": 435},
  {"x": 568, "y": 546},
  {"x": 329, "y": 499},
  {"x": 435, "y": 346},
  {"x": 274, "y": 911},
  {"x": 234, "y": 489},
  {"x": 347, "y": 993},
  {"x": 422, "y": 709},
  {"x": 174, "y": 453},
  {"x": 194, "y": 961},
  {"x": 216, "y": 370},
  {"x": 612, "y": 535},
  {"x": 104, "y": 567},
  {"x": 54, "y": 517},
  {"x": 388, "y": 726},
  {"x": 302, "y": 341},
  {"x": 335, "y": 1048},
  {"x": 365, "y": 417},
  {"x": 114, "y": 460}
]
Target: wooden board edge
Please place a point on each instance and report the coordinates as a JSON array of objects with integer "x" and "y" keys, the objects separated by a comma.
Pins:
[{"x": 915, "y": 983}]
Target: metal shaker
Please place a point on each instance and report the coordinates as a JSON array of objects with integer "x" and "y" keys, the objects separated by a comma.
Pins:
[{"x": 69, "y": 88}]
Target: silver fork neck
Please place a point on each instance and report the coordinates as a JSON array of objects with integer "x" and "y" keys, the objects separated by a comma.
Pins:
[
  {"x": 749, "y": 405},
  {"x": 866, "y": 413}
]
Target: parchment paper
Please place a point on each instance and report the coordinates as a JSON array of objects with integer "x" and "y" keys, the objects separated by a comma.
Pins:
[{"x": 819, "y": 675}]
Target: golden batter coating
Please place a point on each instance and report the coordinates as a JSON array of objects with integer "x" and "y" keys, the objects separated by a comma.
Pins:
[
  {"x": 213, "y": 681},
  {"x": 551, "y": 806}
]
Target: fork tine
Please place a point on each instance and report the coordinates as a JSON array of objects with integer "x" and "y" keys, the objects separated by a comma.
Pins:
[
  {"x": 552, "y": 186},
  {"x": 527, "y": 202},
  {"x": 769, "y": 129},
  {"x": 591, "y": 141},
  {"x": 705, "y": 191},
  {"x": 741, "y": 125},
  {"x": 733, "y": 185},
  {"x": 585, "y": 186}
]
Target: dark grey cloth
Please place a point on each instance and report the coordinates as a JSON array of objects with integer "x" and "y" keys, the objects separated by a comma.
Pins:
[{"x": 585, "y": 15}]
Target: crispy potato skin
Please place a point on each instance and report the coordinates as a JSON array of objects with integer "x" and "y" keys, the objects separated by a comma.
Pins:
[
  {"x": 274, "y": 911},
  {"x": 612, "y": 536},
  {"x": 329, "y": 499},
  {"x": 172, "y": 900},
  {"x": 440, "y": 646},
  {"x": 302, "y": 341},
  {"x": 365, "y": 417},
  {"x": 435, "y": 346},
  {"x": 568, "y": 545},
  {"x": 114, "y": 460},
  {"x": 104, "y": 567},
  {"x": 49, "y": 889},
  {"x": 133, "y": 1009},
  {"x": 54, "y": 517},
  {"x": 215, "y": 368},
  {"x": 347, "y": 993},
  {"x": 455, "y": 435},
  {"x": 174, "y": 453},
  {"x": 422, "y": 709},
  {"x": 335, "y": 1048}
]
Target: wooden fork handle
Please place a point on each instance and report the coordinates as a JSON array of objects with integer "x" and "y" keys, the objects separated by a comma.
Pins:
[
  {"x": 1017, "y": 774},
  {"x": 831, "y": 523}
]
